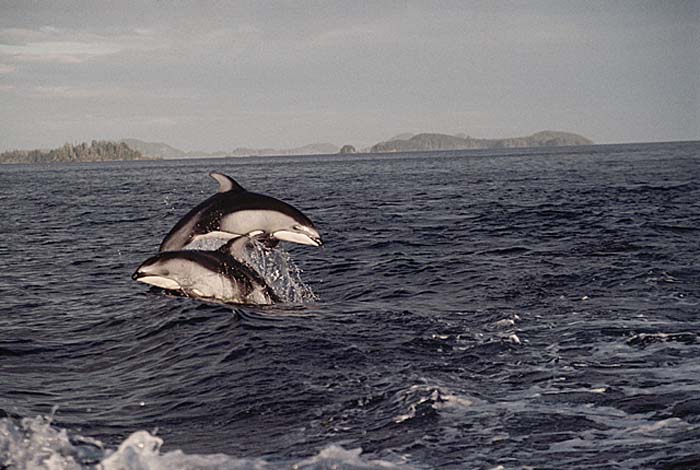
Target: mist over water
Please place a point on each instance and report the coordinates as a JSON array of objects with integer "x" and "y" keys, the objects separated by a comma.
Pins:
[{"x": 529, "y": 308}]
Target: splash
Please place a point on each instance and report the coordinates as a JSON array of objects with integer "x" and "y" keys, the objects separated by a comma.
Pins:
[
  {"x": 37, "y": 444},
  {"x": 425, "y": 399},
  {"x": 34, "y": 443},
  {"x": 275, "y": 265}
]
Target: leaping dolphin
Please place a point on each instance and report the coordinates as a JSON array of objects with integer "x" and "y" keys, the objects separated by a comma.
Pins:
[
  {"x": 234, "y": 212},
  {"x": 204, "y": 274}
]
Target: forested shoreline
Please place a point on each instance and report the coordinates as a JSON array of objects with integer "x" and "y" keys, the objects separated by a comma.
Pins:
[{"x": 96, "y": 151}]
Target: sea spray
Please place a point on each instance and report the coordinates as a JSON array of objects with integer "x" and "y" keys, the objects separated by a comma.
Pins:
[
  {"x": 280, "y": 272},
  {"x": 34, "y": 443}
]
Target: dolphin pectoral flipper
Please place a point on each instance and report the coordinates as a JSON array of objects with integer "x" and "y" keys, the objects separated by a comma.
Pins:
[
  {"x": 216, "y": 234},
  {"x": 265, "y": 238},
  {"x": 226, "y": 183}
]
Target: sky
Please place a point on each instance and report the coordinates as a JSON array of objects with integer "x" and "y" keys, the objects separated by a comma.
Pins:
[{"x": 216, "y": 75}]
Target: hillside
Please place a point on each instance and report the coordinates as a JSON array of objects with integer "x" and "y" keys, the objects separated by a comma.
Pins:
[
  {"x": 161, "y": 150},
  {"x": 97, "y": 151},
  {"x": 154, "y": 149},
  {"x": 424, "y": 142},
  {"x": 311, "y": 149}
]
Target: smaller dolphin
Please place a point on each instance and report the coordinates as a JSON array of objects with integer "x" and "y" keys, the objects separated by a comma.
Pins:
[
  {"x": 234, "y": 212},
  {"x": 205, "y": 274}
]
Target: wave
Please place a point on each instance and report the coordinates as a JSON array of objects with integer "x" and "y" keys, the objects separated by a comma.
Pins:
[{"x": 35, "y": 443}]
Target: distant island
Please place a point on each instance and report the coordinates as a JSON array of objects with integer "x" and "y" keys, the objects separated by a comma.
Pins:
[
  {"x": 97, "y": 151},
  {"x": 311, "y": 149},
  {"x": 161, "y": 150},
  {"x": 345, "y": 149},
  {"x": 400, "y": 143},
  {"x": 425, "y": 142},
  {"x": 134, "y": 149},
  {"x": 154, "y": 149}
]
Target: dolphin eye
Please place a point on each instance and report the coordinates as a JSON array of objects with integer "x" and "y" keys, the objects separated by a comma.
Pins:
[{"x": 302, "y": 228}]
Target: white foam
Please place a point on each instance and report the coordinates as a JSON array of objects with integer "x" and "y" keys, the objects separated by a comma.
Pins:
[
  {"x": 441, "y": 399},
  {"x": 36, "y": 444},
  {"x": 333, "y": 457}
]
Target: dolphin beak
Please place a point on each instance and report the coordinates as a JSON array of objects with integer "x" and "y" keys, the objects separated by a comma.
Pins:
[
  {"x": 302, "y": 238},
  {"x": 317, "y": 240},
  {"x": 137, "y": 274}
]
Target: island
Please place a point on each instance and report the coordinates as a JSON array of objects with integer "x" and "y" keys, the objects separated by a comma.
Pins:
[
  {"x": 428, "y": 142},
  {"x": 310, "y": 149},
  {"x": 97, "y": 151},
  {"x": 154, "y": 149},
  {"x": 162, "y": 150},
  {"x": 404, "y": 142},
  {"x": 134, "y": 149}
]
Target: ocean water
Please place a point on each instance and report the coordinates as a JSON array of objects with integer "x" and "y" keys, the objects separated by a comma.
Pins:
[{"x": 470, "y": 310}]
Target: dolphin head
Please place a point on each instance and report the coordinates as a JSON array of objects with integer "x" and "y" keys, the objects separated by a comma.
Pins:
[{"x": 158, "y": 271}]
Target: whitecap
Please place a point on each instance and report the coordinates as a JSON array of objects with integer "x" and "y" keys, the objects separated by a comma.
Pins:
[{"x": 35, "y": 443}]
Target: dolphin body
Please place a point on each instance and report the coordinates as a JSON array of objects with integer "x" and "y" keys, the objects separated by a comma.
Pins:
[
  {"x": 234, "y": 212},
  {"x": 208, "y": 274}
]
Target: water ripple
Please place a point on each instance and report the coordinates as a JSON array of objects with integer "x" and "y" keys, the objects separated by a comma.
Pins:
[{"x": 515, "y": 310}]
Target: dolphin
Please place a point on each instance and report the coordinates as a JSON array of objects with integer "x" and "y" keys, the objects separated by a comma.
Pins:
[
  {"x": 234, "y": 212},
  {"x": 207, "y": 274}
]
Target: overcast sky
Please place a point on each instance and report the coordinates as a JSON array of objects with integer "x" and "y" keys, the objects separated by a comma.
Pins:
[{"x": 215, "y": 75}]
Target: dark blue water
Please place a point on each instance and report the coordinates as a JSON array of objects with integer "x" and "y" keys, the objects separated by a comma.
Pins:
[{"x": 522, "y": 309}]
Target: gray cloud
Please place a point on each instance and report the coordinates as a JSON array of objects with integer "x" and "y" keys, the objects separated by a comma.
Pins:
[{"x": 216, "y": 75}]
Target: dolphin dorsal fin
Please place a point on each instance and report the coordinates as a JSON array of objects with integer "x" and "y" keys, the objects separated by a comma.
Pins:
[
  {"x": 238, "y": 246},
  {"x": 235, "y": 247},
  {"x": 226, "y": 183}
]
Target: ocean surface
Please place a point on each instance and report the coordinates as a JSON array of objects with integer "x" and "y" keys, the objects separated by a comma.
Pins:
[{"x": 506, "y": 309}]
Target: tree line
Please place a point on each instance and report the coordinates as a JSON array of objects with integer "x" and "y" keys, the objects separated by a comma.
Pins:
[{"x": 97, "y": 151}]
